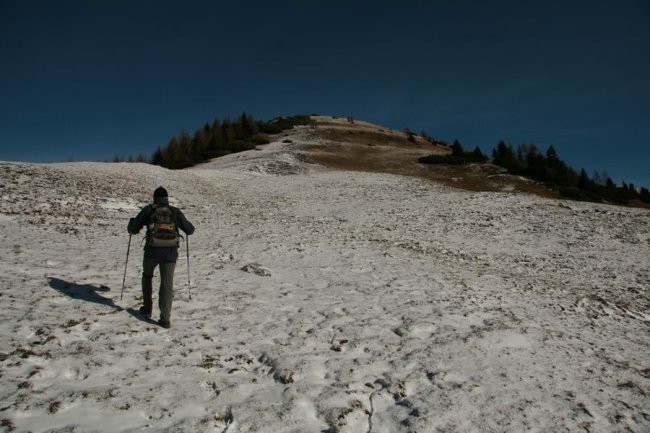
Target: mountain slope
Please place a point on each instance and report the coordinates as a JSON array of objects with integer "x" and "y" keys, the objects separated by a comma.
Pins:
[
  {"x": 322, "y": 300},
  {"x": 362, "y": 146}
]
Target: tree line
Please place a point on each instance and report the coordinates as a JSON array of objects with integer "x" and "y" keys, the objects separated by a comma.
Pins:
[
  {"x": 527, "y": 160},
  {"x": 219, "y": 138},
  {"x": 458, "y": 156},
  {"x": 121, "y": 158}
]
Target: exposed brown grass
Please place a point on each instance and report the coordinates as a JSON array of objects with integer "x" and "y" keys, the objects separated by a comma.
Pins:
[{"x": 365, "y": 147}]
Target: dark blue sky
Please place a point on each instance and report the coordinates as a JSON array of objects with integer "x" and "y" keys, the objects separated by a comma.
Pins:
[{"x": 89, "y": 79}]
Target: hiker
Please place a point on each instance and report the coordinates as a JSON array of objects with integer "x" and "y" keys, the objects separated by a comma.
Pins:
[{"x": 160, "y": 249}]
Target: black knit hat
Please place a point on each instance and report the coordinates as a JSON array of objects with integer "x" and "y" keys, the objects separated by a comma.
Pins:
[{"x": 160, "y": 192}]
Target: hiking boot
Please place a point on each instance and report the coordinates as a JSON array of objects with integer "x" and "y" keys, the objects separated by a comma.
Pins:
[
  {"x": 164, "y": 323},
  {"x": 145, "y": 312}
]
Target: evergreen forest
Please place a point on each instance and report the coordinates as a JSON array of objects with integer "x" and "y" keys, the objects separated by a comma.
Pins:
[
  {"x": 220, "y": 138},
  {"x": 549, "y": 169}
]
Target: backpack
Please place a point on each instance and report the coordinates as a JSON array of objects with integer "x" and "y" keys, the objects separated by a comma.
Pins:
[{"x": 162, "y": 231}]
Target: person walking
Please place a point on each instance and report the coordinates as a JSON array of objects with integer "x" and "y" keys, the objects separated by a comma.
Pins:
[{"x": 161, "y": 249}]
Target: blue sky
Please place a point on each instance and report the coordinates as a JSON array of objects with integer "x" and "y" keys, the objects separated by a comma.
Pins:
[{"x": 89, "y": 79}]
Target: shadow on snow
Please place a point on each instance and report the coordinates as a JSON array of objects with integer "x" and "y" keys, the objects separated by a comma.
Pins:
[
  {"x": 91, "y": 293},
  {"x": 135, "y": 313},
  {"x": 85, "y": 292}
]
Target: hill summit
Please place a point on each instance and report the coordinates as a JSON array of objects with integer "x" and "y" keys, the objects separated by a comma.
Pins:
[{"x": 342, "y": 143}]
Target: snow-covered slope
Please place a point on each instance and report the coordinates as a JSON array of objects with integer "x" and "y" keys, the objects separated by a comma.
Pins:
[{"x": 321, "y": 301}]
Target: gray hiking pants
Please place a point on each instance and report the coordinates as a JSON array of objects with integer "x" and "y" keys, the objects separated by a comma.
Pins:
[{"x": 166, "y": 292}]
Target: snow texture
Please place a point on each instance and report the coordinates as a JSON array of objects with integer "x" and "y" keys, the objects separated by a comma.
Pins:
[{"x": 322, "y": 301}]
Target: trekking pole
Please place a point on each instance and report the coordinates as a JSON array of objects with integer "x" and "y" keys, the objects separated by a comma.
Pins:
[
  {"x": 128, "y": 249},
  {"x": 187, "y": 246}
]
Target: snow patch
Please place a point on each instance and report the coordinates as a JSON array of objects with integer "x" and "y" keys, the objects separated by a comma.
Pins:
[{"x": 394, "y": 304}]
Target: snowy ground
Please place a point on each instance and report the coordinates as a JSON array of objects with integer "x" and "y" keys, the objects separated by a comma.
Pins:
[{"x": 373, "y": 303}]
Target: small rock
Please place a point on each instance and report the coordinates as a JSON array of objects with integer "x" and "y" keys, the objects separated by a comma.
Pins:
[{"x": 256, "y": 268}]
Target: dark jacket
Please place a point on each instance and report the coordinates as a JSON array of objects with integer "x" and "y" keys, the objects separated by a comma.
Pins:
[{"x": 143, "y": 220}]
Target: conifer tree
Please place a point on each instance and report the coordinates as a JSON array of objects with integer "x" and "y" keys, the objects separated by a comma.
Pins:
[
  {"x": 207, "y": 133},
  {"x": 184, "y": 157},
  {"x": 478, "y": 155},
  {"x": 457, "y": 148},
  {"x": 239, "y": 126},
  {"x": 502, "y": 152},
  {"x": 199, "y": 146},
  {"x": 172, "y": 153},
  {"x": 156, "y": 158},
  {"x": 249, "y": 126},
  {"x": 227, "y": 132},
  {"x": 216, "y": 127},
  {"x": 216, "y": 139},
  {"x": 644, "y": 195},
  {"x": 522, "y": 151},
  {"x": 583, "y": 180}
]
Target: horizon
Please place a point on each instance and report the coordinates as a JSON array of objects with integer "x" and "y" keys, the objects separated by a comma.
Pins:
[{"x": 90, "y": 81}]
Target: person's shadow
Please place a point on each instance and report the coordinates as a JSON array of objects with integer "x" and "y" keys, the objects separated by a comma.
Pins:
[
  {"x": 85, "y": 292},
  {"x": 90, "y": 293}
]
